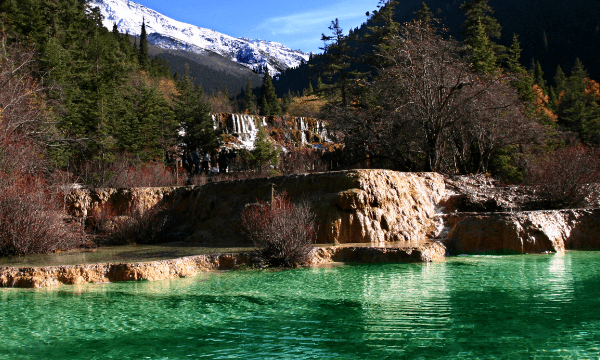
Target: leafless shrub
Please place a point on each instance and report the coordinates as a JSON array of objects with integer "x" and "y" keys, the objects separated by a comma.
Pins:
[
  {"x": 136, "y": 226},
  {"x": 301, "y": 161},
  {"x": 282, "y": 231},
  {"x": 124, "y": 173},
  {"x": 32, "y": 221},
  {"x": 564, "y": 178}
]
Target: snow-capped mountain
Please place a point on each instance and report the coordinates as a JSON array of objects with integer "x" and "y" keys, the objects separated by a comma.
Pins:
[{"x": 167, "y": 33}]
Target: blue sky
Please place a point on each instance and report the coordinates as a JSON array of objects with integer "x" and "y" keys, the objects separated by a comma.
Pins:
[{"x": 297, "y": 24}]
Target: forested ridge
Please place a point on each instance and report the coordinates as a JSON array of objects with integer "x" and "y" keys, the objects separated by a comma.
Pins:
[
  {"x": 554, "y": 33},
  {"x": 104, "y": 96},
  {"x": 407, "y": 92}
]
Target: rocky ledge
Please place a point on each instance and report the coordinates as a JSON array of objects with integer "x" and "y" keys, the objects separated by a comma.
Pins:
[
  {"x": 189, "y": 266},
  {"x": 522, "y": 232},
  {"x": 462, "y": 214},
  {"x": 355, "y": 206}
]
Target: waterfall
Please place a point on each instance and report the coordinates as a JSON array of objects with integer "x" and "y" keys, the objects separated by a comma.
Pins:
[{"x": 245, "y": 128}]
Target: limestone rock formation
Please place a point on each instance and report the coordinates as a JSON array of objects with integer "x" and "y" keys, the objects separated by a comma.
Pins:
[
  {"x": 81, "y": 202},
  {"x": 191, "y": 265},
  {"x": 523, "y": 232},
  {"x": 369, "y": 206},
  {"x": 357, "y": 206}
]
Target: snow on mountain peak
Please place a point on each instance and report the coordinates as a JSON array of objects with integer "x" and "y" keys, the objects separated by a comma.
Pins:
[{"x": 168, "y": 33}]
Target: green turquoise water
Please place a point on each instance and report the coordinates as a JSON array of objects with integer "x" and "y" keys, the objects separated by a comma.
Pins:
[{"x": 474, "y": 307}]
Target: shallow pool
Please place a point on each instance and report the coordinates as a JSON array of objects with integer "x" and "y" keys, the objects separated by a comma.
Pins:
[{"x": 473, "y": 307}]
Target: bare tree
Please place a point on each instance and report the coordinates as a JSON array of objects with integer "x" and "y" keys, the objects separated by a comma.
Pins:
[
  {"x": 426, "y": 109},
  {"x": 566, "y": 177},
  {"x": 31, "y": 217}
]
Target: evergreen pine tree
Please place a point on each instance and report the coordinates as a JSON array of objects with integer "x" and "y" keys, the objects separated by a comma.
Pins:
[
  {"x": 144, "y": 55},
  {"x": 286, "y": 102},
  {"x": 483, "y": 59},
  {"x": 336, "y": 65},
  {"x": 264, "y": 153},
  {"x": 249, "y": 98},
  {"x": 514, "y": 57},
  {"x": 268, "y": 103},
  {"x": 552, "y": 99},
  {"x": 480, "y": 12},
  {"x": 310, "y": 90},
  {"x": 193, "y": 114},
  {"x": 157, "y": 124},
  {"x": 538, "y": 77},
  {"x": 577, "y": 110},
  {"x": 560, "y": 79},
  {"x": 424, "y": 14},
  {"x": 523, "y": 82}
]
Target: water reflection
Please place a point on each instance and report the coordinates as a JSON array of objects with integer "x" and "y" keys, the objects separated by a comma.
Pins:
[
  {"x": 404, "y": 304},
  {"x": 467, "y": 307}
]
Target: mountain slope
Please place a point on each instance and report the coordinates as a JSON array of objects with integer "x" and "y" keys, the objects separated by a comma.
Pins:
[
  {"x": 167, "y": 33},
  {"x": 554, "y": 32},
  {"x": 210, "y": 70}
]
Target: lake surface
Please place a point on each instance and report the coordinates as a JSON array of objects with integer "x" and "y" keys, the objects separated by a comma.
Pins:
[{"x": 473, "y": 307}]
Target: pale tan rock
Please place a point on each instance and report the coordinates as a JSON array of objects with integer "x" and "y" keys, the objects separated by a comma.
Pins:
[
  {"x": 191, "y": 265},
  {"x": 357, "y": 206},
  {"x": 523, "y": 232},
  {"x": 81, "y": 202}
]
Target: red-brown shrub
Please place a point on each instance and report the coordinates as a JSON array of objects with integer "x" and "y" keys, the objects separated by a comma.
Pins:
[
  {"x": 282, "y": 231},
  {"x": 132, "y": 227},
  {"x": 564, "y": 178},
  {"x": 122, "y": 173},
  {"x": 32, "y": 221}
]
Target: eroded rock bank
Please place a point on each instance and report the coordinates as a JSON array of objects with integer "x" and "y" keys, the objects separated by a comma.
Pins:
[
  {"x": 468, "y": 214},
  {"x": 372, "y": 207},
  {"x": 192, "y": 265},
  {"x": 523, "y": 232},
  {"x": 356, "y": 206}
]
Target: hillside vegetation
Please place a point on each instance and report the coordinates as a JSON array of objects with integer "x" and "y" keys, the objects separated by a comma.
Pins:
[{"x": 430, "y": 86}]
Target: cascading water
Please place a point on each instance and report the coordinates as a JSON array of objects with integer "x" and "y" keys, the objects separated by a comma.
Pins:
[{"x": 245, "y": 128}]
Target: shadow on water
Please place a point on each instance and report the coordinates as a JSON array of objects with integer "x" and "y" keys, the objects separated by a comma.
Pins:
[{"x": 142, "y": 253}]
